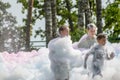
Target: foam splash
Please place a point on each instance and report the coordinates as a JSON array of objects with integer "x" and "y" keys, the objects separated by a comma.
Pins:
[{"x": 35, "y": 65}]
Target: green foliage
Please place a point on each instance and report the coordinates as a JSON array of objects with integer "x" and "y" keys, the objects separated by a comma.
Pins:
[
  {"x": 112, "y": 20},
  {"x": 62, "y": 12},
  {"x": 10, "y": 34},
  {"x": 4, "y": 6},
  {"x": 41, "y": 33},
  {"x": 24, "y": 3},
  {"x": 77, "y": 34},
  {"x": 38, "y": 11},
  {"x": 111, "y": 16}
]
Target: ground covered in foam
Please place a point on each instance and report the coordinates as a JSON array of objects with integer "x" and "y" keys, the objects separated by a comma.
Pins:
[{"x": 35, "y": 65}]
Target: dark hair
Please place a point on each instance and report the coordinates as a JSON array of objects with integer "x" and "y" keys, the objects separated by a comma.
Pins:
[
  {"x": 62, "y": 28},
  {"x": 100, "y": 36},
  {"x": 91, "y": 25}
]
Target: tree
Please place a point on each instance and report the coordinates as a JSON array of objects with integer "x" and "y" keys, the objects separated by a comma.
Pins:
[
  {"x": 69, "y": 7},
  {"x": 76, "y": 13},
  {"x": 48, "y": 20},
  {"x": 54, "y": 19},
  {"x": 88, "y": 13},
  {"x": 28, "y": 24},
  {"x": 99, "y": 15},
  {"x": 80, "y": 14},
  {"x": 111, "y": 15},
  {"x": 10, "y": 38}
]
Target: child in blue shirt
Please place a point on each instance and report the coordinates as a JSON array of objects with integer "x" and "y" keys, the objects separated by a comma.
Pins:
[{"x": 99, "y": 53}]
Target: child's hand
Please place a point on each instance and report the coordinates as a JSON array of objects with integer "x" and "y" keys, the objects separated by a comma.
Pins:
[{"x": 112, "y": 55}]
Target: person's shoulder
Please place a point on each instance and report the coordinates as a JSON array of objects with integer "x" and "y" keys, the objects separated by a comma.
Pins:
[
  {"x": 96, "y": 45},
  {"x": 52, "y": 41},
  {"x": 93, "y": 49},
  {"x": 84, "y": 37},
  {"x": 67, "y": 39}
]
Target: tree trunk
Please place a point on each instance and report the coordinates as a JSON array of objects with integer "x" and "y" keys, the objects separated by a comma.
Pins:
[
  {"x": 29, "y": 20},
  {"x": 54, "y": 19},
  {"x": 1, "y": 41},
  {"x": 99, "y": 15},
  {"x": 80, "y": 14},
  {"x": 88, "y": 14},
  {"x": 48, "y": 20}
]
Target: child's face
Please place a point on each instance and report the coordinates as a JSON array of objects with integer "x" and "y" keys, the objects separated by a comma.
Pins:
[
  {"x": 102, "y": 41},
  {"x": 65, "y": 32},
  {"x": 92, "y": 31}
]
